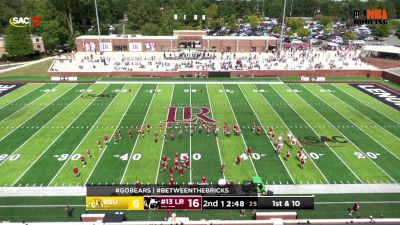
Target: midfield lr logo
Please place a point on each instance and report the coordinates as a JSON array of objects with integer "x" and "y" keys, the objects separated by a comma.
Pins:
[{"x": 371, "y": 16}]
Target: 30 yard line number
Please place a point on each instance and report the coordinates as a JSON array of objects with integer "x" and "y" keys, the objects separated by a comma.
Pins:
[{"x": 5, "y": 157}]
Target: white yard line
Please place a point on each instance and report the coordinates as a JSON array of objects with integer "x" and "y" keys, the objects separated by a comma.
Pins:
[
  {"x": 290, "y": 131},
  {"x": 315, "y": 131},
  {"x": 190, "y": 136},
  {"x": 38, "y": 130},
  {"x": 241, "y": 135},
  {"x": 335, "y": 85},
  {"x": 66, "y": 128},
  {"x": 30, "y": 103},
  {"x": 20, "y": 96},
  {"x": 138, "y": 136},
  {"x": 163, "y": 139},
  {"x": 345, "y": 135},
  {"x": 116, "y": 128},
  {"x": 376, "y": 124},
  {"x": 216, "y": 138},
  {"x": 265, "y": 131}
]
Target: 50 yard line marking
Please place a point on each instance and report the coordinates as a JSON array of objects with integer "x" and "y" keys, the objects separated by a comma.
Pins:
[
  {"x": 264, "y": 130},
  {"x": 241, "y": 135},
  {"x": 33, "y": 135},
  {"x": 163, "y": 140},
  {"x": 216, "y": 138},
  {"x": 77, "y": 147},
  {"x": 137, "y": 138},
  {"x": 313, "y": 128},
  {"x": 102, "y": 152},
  {"x": 345, "y": 135},
  {"x": 37, "y": 158}
]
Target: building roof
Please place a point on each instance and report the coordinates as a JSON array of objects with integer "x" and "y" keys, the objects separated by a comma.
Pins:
[
  {"x": 129, "y": 36},
  {"x": 382, "y": 48},
  {"x": 262, "y": 38}
]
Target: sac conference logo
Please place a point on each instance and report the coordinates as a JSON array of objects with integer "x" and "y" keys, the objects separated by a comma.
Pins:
[{"x": 24, "y": 21}]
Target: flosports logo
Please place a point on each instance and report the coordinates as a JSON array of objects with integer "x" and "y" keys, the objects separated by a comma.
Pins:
[
  {"x": 24, "y": 21},
  {"x": 324, "y": 141},
  {"x": 188, "y": 115}
]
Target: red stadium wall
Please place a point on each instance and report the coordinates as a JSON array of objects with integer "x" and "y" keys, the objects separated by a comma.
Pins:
[
  {"x": 255, "y": 73},
  {"x": 391, "y": 77}
]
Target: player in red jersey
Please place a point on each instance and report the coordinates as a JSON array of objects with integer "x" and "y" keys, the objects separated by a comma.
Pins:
[
  {"x": 259, "y": 130},
  {"x": 171, "y": 182},
  {"x": 302, "y": 161},
  {"x": 237, "y": 160},
  {"x": 216, "y": 131},
  {"x": 176, "y": 157},
  {"x": 222, "y": 168},
  {"x": 187, "y": 164},
  {"x": 203, "y": 180},
  {"x": 163, "y": 166},
  {"x": 355, "y": 208},
  {"x": 105, "y": 139},
  {"x": 301, "y": 152},
  {"x": 138, "y": 184},
  {"x": 83, "y": 161},
  {"x": 160, "y": 126},
  {"x": 169, "y": 126},
  {"x": 191, "y": 131},
  {"x": 271, "y": 130},
  {"x": 253, "y": 127},
  {"x": 130, "y": 133},
  {"x": 225, "y": 125},
  {"x": 99, "y": 144},
  {"x": 89, "y": 155},
  {"x": 287, "y": 155},
  {"x": 76, "y": 171},
  {"x": 208, "y": 130},
  {"x": 142, "y": 132},
  {"x": 164, "y": 158},
  {"x": 172, "y": 135},
  {"x": 228, "y": 131},
  {"x": 119, "y": 133},
  {"x": 249, "y": 151},
  {"x": 181, "y": 171},
  {"x": 279, "y": 148},
  {"x": 176, "y": 125},
  {"x": 171, "y": 172},
  {"x": 273, "y": 135},
  {"x": 155, "y": 137},
  {"x": 115, "y": 138},
  {"x": 186, "y": 126},
  {"x": 293, "y": 142},
  {"x": 176, "y": 164},
  {"x": 185, "y": 158},
  {"x": 148, "y": 127}
]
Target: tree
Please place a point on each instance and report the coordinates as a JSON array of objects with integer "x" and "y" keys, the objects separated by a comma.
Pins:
[
  {"x": 232, "y": 23},
  {"x": 302, "y": 32},
  {"x": 150, "y": 29},
  {"x": 254, "y": 21},
  {"x": 328, "y": 28},
  {"x": 349, "y": 35},
  {"x": 294, "y": 24},
  {"x": 18, "y": 43},
  {"x": 381, "y": 30},
  {"x": 277, "y": 30}
]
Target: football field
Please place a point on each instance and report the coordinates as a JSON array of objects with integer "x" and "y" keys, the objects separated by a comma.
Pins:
[{"x": 349, "y": 137}]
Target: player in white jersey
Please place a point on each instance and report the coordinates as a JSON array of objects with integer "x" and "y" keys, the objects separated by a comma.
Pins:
[
  {"x": 289, "y": 136},
  {"x": 279, "y": 148},
  {"x": 293, "y": 142}
]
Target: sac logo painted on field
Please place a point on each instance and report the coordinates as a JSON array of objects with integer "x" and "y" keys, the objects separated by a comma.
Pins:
[
  {"x": 324, "y": 141},
  {"x": 190, "y": 114}
]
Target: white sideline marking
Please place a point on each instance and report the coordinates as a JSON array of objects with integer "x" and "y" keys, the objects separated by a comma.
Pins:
[
  {"x": 216, "y": 138},
  {"x": 163, "y": 139},
  {"x": 138, "y": 135}
]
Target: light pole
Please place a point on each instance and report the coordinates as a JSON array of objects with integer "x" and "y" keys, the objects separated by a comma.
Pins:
[
  {"x": 283, "y": 22},
  {"x": 97, "y": 19}
]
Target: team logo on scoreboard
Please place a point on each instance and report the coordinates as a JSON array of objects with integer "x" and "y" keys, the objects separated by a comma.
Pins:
[
  {"x": 152, "y": 203},
  {"x": 94, "y": 203},
  {"x": 189, "y": 115}
]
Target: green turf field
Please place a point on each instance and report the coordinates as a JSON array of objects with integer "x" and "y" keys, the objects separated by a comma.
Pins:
[{"x": 46, "y": 128}]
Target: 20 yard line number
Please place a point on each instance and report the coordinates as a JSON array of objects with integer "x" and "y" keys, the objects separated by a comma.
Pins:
[
  {"x": 5, "y": 157},
  {"x": 371, "y": 155}
]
